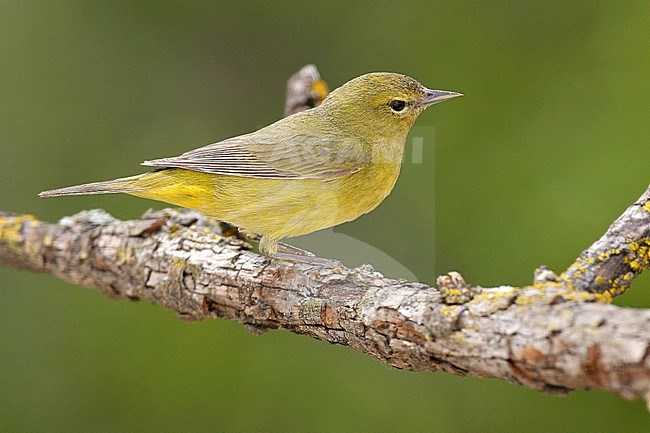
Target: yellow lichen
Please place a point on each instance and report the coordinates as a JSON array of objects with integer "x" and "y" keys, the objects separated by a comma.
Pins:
[
  {"x": 607, "y": 254},
  {"x": 604, "y": 297},
  {"x": 535, "y": 297},
  {"x": 639, "y": 257},
  {"x": 11, "y": 229},
  {"x": 125, "y": 255},
  {"x": 311, "y": 308},
  {"x": 492, "y": 295},
  {"x": 635, "y": 265},
  {"x": 173, "y": 229},
  {"x": 178, "y": 262},
  {"x": 646, "y": 206},
  {"x": 452, "y": 292},
  {"x": 451, "y": 310},
  {"x": 580, "y": 296}
]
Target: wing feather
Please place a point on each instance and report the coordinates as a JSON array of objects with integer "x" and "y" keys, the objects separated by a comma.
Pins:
[{"x": 275, "y": 152}]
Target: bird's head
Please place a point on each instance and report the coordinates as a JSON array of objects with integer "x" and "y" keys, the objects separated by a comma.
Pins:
[{"x": 381, "y": 105}]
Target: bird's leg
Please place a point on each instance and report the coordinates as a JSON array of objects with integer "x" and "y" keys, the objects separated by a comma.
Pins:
[{"x": 269, "y": 246}]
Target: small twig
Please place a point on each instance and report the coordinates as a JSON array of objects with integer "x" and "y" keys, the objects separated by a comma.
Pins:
[{"x": 615, "y": 260}]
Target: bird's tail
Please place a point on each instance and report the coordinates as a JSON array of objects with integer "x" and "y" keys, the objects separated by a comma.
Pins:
[{"x": 125, "y": 184}]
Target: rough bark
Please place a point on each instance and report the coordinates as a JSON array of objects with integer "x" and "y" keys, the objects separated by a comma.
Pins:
[{"x": 555, "y": 335}]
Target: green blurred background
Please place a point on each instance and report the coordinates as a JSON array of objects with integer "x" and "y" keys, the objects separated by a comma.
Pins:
[{"x": 547, "y": 148}]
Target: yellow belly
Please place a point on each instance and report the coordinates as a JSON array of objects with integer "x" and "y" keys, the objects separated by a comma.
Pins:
[{"x": 277, "y": 208}]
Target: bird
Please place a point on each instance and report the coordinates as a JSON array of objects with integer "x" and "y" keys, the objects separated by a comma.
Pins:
[{"x": 309, "y": 171}]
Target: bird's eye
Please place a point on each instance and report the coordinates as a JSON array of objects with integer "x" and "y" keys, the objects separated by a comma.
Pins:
[{"x": 397, "y": 104}]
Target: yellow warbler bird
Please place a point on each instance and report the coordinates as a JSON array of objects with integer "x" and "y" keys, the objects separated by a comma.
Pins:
[{"x": 309, "y": 171}]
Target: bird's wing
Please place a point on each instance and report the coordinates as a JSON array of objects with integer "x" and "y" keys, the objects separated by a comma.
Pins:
[{"x": 286, "y": 156}]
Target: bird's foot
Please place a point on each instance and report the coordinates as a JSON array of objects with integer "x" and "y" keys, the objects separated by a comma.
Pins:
[
  {"x": 308, "y": 258},
  {"x": 281, "y": 251},
  {"x": 295, "y": 251}
]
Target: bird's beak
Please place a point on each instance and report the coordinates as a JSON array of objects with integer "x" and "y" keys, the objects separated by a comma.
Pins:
[{"x": 435, "y": 96}]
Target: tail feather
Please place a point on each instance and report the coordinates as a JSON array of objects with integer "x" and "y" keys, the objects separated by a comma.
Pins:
[{"x": 125, "y": 184}]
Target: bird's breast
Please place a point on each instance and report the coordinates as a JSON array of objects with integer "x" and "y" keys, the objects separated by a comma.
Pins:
[{"x": 365, "y": 189}]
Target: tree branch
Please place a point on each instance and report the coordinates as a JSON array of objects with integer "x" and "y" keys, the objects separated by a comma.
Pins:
[{"x": 555, "y": 335}]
